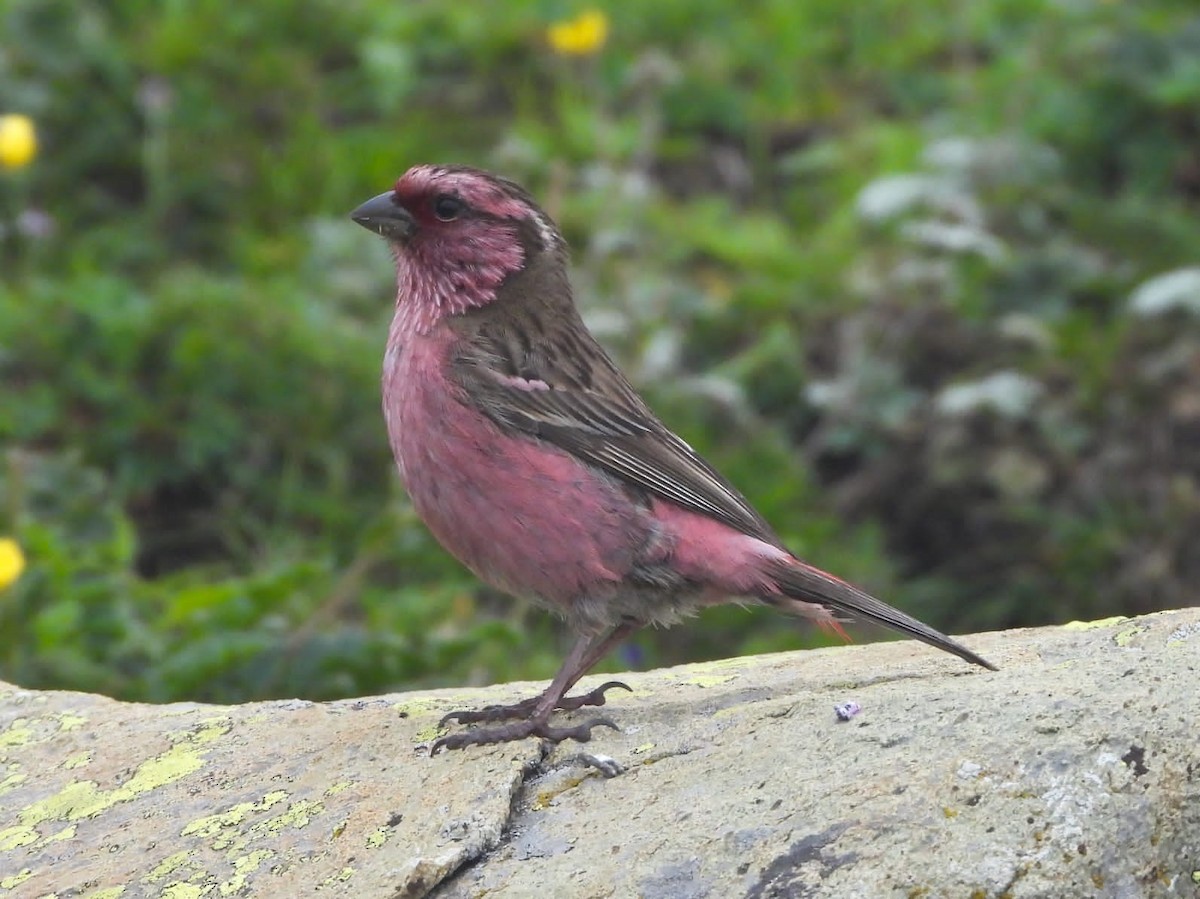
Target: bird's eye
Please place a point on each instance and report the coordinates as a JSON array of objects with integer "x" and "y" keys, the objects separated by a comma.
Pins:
[{"x": 447, "y": 208}]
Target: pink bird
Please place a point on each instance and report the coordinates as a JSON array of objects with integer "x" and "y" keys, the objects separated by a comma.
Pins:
[{"x": 533, "y": 460}]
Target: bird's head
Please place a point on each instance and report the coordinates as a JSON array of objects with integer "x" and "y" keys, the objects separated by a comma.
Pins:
[{"x": 458, "y": 234}]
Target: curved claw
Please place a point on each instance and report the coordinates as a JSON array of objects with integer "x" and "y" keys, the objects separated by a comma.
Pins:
[
  {"x": 593, "y": 697},
  {"x": 445, "y": 743},
  {"x": 581, "y": 733},
  {"x": 610, "y": 685}
]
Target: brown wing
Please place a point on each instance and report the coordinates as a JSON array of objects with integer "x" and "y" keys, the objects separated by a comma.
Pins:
[{"x": 561, "y": 387}]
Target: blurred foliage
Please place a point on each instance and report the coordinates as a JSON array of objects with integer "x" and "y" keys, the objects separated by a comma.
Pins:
[{"x": 921, "y": 278}]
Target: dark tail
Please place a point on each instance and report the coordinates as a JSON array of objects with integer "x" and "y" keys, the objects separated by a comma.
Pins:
[{"x": 810, "y": 584}]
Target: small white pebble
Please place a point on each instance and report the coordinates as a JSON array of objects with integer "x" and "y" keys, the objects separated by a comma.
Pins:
[
  {"x": 969, "y": 770},
  {"x": 605, "y": 764}
]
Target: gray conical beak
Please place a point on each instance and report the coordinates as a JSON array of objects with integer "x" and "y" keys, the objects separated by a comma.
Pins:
[{"x": 386, "y": 217}]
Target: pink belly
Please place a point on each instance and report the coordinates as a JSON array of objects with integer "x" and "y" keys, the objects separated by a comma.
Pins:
[{"x": 524, "y": 516}]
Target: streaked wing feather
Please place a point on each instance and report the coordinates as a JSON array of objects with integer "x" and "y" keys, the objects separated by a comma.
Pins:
[{"x": 605, "y": 424}]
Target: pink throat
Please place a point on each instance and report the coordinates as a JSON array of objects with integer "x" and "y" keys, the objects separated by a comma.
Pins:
[{"x": 439, "y": 276}]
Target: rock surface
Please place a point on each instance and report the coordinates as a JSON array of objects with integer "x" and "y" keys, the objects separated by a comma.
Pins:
[{"x": 1073, "y": 771}]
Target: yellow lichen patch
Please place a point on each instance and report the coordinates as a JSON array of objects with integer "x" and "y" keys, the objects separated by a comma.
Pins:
[
  {"x": 183, "y": 891},
  {"x": 67, "y": 833},
  {"x": 542, "y": 800},
  {"x": 24, "y": 731},
  {"x": 417, "y": 706},
  {"x": 105, "y": 893},
  {"x": 243, "y": 866},
  {"x": 179, "y": 761},
  {"x": 11, "y": 781},
  {"x": 16, "y": 734},
  {"x": 212, "y": 825},
  {"x": 214, "y": 729},
  {"x": 334, "y": 879},
  {"x": 210, "y": 730},
  {"x": 11, "y": 883},
  {"x": 167, "y": 867},
  {"x": 297, "y": 816},
  {"x": 76, "y": 800},
  {"x": 174, "y": 764},
  {"x": 1092, "y": 625},
  {"x": 1127, "y": 636},
  {"x": 425, "y": 707},
  {"x": 425, "y": 734},
  {"x": 708, "y": 680},
  {"x": 13, "y": 837},
  {"x": 230, "y": 831},
  {"x": 377, "y": 838},
  {"x": 68, "y": 721},
  {"x": 338, "y": 788},
  {"x": 545, "y": 797},
  {"x": 84, "y": 798},
  {"x": 78, "y": 760}
]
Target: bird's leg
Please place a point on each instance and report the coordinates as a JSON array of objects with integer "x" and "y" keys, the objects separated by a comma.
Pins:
[
  {"x": 598, "y": 650},
  {"x": 534, "y": 713}
]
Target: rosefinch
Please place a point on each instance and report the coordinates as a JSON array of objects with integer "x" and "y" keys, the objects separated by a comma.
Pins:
[{"x": 532, "y": 459}]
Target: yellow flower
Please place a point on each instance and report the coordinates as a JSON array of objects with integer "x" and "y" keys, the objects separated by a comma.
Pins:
[
  {"x": 581, "y": 36},
  {"x": 18, "y": 141},
  {"x": 12, "y": 561}
]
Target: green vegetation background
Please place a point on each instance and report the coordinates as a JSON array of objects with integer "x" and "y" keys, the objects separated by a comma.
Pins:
[{"x": 920, "y": 277}]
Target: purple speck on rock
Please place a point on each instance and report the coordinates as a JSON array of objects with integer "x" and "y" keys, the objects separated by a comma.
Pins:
[{"x": 846, "y": 710}]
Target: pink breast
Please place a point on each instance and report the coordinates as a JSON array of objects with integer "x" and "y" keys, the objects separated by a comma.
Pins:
[{"x": 525, "y": 516}]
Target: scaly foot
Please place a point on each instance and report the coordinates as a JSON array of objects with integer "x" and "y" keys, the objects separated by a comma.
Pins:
[
  {"x": 525, "y": 708},
  {"x": 519, "y": 730}
]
